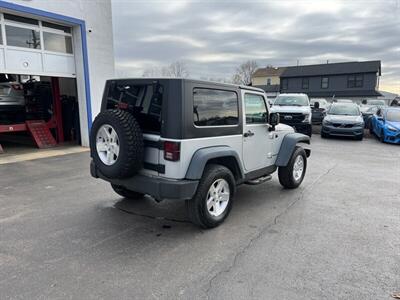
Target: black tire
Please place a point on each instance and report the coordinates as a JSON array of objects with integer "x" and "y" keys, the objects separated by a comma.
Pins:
[
  {"x": 120, "y": 190},
  {"x": 371, "y": 130},
  {"x": 197, "y": 206},
  {"x": 360, "y": 138},
  {"x": 324, "y": 135},
  {"x": 130, "y": 158},
  {"x": 382, "y": 136},
  {"x": 309, "y": 131},
  {"x": 285, "y": 174}
]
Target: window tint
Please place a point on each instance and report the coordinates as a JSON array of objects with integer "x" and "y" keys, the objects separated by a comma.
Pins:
[
  {"x": 215, "y": 107},
  {"x": 22, "y": 37},
  {"x": 324, "y": 82},
  {"x": 144, "y": 101},
  {"x": 256, "y": 111},
  {"x": 57, "y": 42},
  {"x": 19, "y": 19}
]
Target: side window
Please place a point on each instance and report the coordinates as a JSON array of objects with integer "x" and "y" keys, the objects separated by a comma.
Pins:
[
  {"x": 215, "y": 107},
  {"x": 256, "y": 111}
]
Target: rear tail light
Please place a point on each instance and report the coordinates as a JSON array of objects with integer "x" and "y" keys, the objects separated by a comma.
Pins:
[{"x": 172, "y": 151}]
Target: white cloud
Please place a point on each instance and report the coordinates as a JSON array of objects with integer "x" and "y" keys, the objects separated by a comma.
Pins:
[{"x": 213, "y": 37}]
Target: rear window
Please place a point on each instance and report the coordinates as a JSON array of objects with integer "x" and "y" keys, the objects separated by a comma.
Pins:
[
  {"x": 143, "y": 100},
  {"x": 215, "y": 107}
]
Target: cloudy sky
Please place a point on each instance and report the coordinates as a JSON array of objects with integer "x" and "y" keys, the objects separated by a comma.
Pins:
[{"x": 213, "y": 37}]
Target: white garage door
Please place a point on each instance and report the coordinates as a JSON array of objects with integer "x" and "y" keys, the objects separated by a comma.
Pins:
[{"x": 34, "y": 47}]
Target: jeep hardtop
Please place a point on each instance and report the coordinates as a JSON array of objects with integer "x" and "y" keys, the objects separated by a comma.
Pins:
[{"x": 191, "y": 140}]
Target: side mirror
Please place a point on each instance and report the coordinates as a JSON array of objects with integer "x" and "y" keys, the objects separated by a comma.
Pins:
[{"x": 273, "y": 120}]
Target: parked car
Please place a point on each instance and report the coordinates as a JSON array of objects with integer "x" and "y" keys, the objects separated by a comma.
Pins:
[
  {"x": 385, "y": 124},
  {"x": 343, "y": 119},
  {"x": 191, "y": 140},
  {"x": 11, "y": 97},
  {"x": 12, "y": 101},
  {"x": 367, "y": 115},
  {"x": 319, "y": 107},
  {"x": 369, "y": 107},
  {"x": 295, "y": 111}
]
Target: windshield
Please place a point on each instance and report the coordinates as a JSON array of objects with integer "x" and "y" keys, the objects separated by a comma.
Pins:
[
  {"x": 393, "y": 115},
  {"x": 376, "y": 102},
  {"x": 344, "y": 110},
  {"x": 291, "y": 100}
]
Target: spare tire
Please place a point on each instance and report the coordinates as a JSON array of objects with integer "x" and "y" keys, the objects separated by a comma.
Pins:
[{"x": 116, "y": 143}]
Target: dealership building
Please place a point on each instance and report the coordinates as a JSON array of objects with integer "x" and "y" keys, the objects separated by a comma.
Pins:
[{"x": 61, "y": 48}]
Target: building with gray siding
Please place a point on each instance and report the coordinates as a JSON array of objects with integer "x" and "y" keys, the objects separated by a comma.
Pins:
[{"x": 351, "y": 80}]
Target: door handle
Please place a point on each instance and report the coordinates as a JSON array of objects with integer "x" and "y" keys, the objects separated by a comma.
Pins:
[{"x": 248, "y": 134}]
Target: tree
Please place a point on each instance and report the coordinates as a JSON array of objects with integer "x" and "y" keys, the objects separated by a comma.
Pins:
[
  {"x": 243, "y": 72},
  {"x": 175, "y": 69}
]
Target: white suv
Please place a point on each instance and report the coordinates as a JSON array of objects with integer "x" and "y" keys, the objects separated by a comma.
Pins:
[
  {"x": 295, "y": 111},
  {"x": 192, "y": 140}
]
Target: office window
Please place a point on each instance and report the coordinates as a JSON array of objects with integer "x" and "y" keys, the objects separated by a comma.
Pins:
[
  {"x": 19, "y": 19},
  {"x": 284, "y": 83},
  {"x": 57, "y": 42},
  {"x": 324, "y": 82},
  {"x": 355, "y": 80},
  {"x": 22, "y": 37},
  {"x": 215, "y": 107},
  {"x": 305, "y": 83}
]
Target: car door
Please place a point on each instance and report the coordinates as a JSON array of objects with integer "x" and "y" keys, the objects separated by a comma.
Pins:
[{"x": 257, "y": 152}]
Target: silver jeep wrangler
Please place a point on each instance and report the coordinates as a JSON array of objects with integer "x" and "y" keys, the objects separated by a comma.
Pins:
[{"x": 192, "y": 140}]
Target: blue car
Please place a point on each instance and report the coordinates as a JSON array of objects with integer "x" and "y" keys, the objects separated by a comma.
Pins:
[{"x": 385, "y": 124}]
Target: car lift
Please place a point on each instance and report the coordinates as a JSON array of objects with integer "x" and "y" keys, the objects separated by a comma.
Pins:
[{"x": 39, "y": 129}]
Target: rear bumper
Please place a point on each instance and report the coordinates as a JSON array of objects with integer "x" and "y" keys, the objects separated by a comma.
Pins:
[
  {"x": 157, "y": 187},
  {"x": 337, "y": 131}
]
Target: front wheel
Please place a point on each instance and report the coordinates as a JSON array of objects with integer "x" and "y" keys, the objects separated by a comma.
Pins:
[
  {"x": 292, "y": 175},
  {"x": 382, "y": 136},
  {"x": 213, "y": 200},
  {"x": 120, "y": 190}
]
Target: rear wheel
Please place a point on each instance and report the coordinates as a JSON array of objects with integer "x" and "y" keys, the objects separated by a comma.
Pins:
[
  {"x": 120, "y": 190},
  {"x": 214, "y": 197},
  {"x": 292, "y": 175}
]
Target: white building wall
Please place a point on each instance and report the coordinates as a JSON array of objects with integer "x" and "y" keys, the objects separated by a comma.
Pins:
[{"x": 97, "y": 15}]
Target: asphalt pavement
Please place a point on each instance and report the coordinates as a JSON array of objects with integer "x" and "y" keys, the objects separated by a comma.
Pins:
[{"x": 66, "y": 235}]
